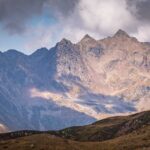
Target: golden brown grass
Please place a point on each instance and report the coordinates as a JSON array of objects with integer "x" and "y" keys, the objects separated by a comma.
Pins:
[
  {"x": 116, "y": 133},
  {"x": 136, "y": 140}
]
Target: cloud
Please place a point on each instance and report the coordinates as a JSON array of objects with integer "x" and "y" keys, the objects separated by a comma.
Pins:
[
  {"x": 45, "y": 37},
  {"x": 143, "y": 33},
  {"x": 15, "y": 14},
  {"x": 142, "y": 8},
  {"x": 101, "y": 18},
  {"x": 96, "y": 15},
  {"x": 74, "y": 19},
  {"x": 102, "y": 15},
  {"x": 98, "y": 18},
  {"x": 62, "y": 7}
]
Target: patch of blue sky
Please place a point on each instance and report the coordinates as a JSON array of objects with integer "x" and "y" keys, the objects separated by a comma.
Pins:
[
  {"x": 17, "y": 41},
  {"x": 10, "y": 41},
  {"x": 45, "y": 19}
]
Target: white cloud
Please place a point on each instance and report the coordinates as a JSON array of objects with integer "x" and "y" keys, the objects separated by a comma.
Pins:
[
  {"x": 99, "y": 18},
  {"x": 143, "y": 33},
  {"x": 107, "y": 16},
  {"x": 41, "y": 37}
]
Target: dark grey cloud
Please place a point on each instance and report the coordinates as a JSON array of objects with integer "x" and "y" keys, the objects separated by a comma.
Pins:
[
  {"x": 65, "y": 7},
  {"x": 14, "y": 14},
  {"x": 142, "y": 9}
]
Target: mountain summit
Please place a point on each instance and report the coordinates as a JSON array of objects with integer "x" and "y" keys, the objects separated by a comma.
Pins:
[
  {"x": 121, "y": 33},
  {"x": 87, "y": 38}
]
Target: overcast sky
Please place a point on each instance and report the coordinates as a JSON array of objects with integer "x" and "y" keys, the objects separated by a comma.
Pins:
[{"x": 27, "y": 25}]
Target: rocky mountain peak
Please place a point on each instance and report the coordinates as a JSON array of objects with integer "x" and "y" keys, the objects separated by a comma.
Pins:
[
  {"x": 13, "y": 53},
  {"x": 87, "y": 38},
  {"x": 64, "y": 42},
  {"x": 64, "y": 46},
  {"x": 40, "y": 51},
  {"x": 121, "y": 33}
]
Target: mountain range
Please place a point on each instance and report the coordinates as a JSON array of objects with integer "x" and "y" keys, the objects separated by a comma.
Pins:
[{"x": 74, "y": 84}]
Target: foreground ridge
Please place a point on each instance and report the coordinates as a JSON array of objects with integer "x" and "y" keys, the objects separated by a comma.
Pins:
[{"x": 110, "y": 132}]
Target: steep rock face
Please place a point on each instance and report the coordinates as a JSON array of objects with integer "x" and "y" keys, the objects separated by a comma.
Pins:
[
  {"x": 69, "y": 60},
  {"x": 74, "y": 84},
  {"x": 19, "y": 75},
  {"x": 127, "y": 65}
]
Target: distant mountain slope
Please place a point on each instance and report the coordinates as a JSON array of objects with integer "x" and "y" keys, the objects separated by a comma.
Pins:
[
  {"x": 74, "y": 84},
  {"x": 133, "y": 132}
]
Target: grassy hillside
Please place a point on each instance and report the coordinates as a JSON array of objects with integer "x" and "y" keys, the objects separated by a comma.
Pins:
[
  {"x": 107, "y": 128},
  {"x": 138, "y": 140},
  {"x": 116, "y": 133}
]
